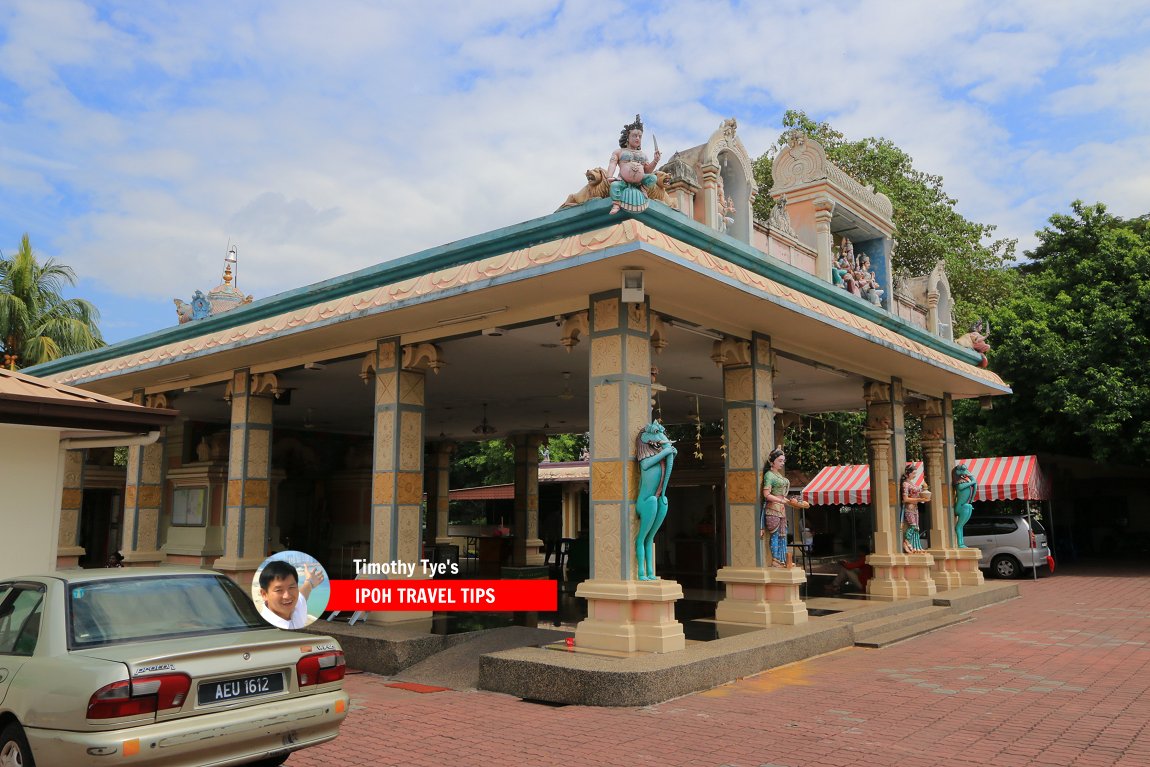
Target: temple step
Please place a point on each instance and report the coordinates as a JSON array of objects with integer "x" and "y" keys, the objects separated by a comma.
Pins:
[{"x": 895, "y": 628}]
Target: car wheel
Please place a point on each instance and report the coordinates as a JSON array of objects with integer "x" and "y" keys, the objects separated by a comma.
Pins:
[
  {"x": 14, "y": 750},
  {"x": 1006, "y": 566}
]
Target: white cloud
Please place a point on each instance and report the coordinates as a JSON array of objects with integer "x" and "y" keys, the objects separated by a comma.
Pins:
[{"x": 323, "y": 140}]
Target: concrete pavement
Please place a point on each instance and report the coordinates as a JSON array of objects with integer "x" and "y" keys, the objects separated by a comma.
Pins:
[{"x": 1057, "y": 677}]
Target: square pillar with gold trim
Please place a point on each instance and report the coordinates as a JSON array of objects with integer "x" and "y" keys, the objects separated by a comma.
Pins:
[
  {"x": 623, "y": 613},
  {"x": 896, "y": 575},
  {"x": 143, "y": 496},
  {"x": 68, "y": 548},
  {"x": 248, "y": 506},
  {"x": 527, "y": 541},
  {"x": 397, "y": 465},
  {"x": 755, "y": 594}
]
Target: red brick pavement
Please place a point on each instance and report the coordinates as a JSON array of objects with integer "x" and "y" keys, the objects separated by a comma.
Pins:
[{"x": 1059, "y": 677}]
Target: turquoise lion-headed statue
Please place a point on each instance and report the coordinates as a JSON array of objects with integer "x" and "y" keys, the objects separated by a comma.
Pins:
[{"x": 656, "y": 456}]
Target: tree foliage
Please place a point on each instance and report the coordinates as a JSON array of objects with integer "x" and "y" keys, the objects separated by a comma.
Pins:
[
  {"x": 1073, "y": 343},
  {"x": 492, "y": 461},
  {"x": 927, "y": 226},
  {"x": 37, "y": 324}
]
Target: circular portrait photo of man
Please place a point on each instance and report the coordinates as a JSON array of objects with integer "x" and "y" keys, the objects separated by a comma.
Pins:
[{"x": 290, "y": 589}]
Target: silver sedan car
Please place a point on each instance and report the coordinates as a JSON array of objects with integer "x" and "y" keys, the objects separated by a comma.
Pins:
[{"x": 156, "y": 666}]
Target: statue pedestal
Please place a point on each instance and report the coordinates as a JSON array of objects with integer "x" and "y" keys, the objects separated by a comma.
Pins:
[
  {"x": 949, "y": 566},
  {"x": 630, "y": 616},
  {"x": 900, "y": 576},
  {"x": 762, "y": 596},
  {"x": 967, "y": 567}
]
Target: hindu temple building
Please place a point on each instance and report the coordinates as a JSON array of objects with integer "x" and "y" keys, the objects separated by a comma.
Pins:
[{"x": 322, "y": 417}]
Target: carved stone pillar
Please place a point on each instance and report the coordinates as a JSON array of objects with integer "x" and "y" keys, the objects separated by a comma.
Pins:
[
  {"x": 937, "y": 476},
  {"x": 896, "y": 575},
  {"x": 438, "y": 492},
  {"x": 397, "y": 469},
  {"x": 710, "y": 182},
  {"x": 247, "y": 519},
  {"x": 527, "y": 541},
  {"x": 754, "y": 593},
  {"x": 622, "y": 613},
  {"x": 932, "y": 297},
  {"x": 824, "y": 241},
  {"x": 68, "y": 548},
  {"x": 143, "y": 496}
]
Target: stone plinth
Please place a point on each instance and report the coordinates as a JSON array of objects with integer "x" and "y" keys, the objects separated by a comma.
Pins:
[
  {"x": 967, "y": 567},
  {"x": 900, "y": 576},
  {"x": 762, "y": 596},
  {"x": 950, "y": 566},
  {"x": 630, "y": 616}
]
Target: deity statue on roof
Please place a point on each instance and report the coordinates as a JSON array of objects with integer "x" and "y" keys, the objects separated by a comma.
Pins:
[
  {"x": 219, "y": 299},
  {"x": 631, "y": 173}
]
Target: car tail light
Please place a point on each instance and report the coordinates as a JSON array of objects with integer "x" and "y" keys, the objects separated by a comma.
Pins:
[
  {"x": 1033, "y": 540},
  {"x": 144, "y": 695},
  {"x": 320, "y": 668}
]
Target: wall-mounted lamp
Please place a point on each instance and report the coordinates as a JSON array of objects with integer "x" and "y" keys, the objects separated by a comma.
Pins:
[{"x": 633, "y": 289}]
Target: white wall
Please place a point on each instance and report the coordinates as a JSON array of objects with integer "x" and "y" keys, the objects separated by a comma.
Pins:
[{"x": 30, "y": 486}]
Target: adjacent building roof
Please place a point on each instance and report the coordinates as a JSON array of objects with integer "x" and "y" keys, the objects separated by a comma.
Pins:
[{"x": 32, "y": 401}]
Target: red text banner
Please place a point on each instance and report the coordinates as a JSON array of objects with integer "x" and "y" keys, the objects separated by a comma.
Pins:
[{"x": 442, "y": 596}]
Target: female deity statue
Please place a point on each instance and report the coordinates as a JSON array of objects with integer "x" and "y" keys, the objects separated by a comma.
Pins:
[
  {"x": 964, "y": 487},
  {"x": 656, "y": 457},
  {"x": 775, "y": 502},
  {"x": 912, "y": 496},
  {"x": 630, "y": 171}
]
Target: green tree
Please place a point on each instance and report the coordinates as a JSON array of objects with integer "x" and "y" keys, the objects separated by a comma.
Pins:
[
  {"x": 927, "y": 226},
  {"x": 37, "y": 324},
  {"x": 1073, "y": 343}
]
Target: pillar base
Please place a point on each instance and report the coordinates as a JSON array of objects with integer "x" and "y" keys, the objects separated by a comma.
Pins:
[
  {"x": 417, "y": 619},
  {"x": 967, "y": 567},
  {"x": 762, "y": 596},
  {"x": 534, "y": 555},
  {"x": 68, "y": 557},
  {"x": 630, "y": 616},
  {"x": 242, "y": 570},
  {"x": 948, "y": 568},
  {"x": 408, "y": 618},
  {"x": 144, "y": 558},
  {"x": 900, "y": 576}
]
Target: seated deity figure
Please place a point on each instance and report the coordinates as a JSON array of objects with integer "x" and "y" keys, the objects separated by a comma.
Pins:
[{"x": 630, "y": 171}]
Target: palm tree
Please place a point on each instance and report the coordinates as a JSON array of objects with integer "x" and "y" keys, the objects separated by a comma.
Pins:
[{"x": 37, "y": 324}]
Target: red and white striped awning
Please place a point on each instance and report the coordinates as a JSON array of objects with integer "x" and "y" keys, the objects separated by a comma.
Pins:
[
  {"x": 839, "y": 486},
  {"x": 1008, "y": 478},
  {"x": 1004, "y": 478}
]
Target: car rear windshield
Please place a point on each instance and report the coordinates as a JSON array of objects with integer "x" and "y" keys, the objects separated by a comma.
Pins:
[{"x": 156, "y": 607}]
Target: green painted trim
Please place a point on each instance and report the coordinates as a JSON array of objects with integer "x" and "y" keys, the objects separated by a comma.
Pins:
[{"x": 563, "y": 223}]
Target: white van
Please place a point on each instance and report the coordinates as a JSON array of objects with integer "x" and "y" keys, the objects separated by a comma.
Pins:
[{"x": 1008, "y": 544}]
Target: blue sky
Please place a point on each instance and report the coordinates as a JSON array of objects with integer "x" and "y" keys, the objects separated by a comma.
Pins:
[{"x": 138, "y": 139}]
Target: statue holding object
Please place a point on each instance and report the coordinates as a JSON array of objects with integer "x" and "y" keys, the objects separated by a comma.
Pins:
[
  {"x": 964, "y": 487},
  {"x": 773, "y": 520},
  {"x": 629, "y": 170},
  {"x": 912, "y": 496},
  {"x": 656, "y": 457}
]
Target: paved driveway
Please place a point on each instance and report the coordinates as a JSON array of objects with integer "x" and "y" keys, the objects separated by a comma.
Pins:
[{"x": 1057, "y": 677}]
